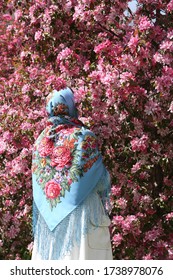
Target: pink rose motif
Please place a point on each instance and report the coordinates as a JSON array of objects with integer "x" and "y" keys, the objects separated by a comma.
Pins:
[
  {"x": 61, "y": 157},
  {"x": 66, "y": 130},
  {"x": 45, "y": 147},
  {"x": 52, "y": 189}
]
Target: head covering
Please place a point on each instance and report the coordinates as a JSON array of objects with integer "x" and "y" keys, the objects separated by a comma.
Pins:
[
  {"x": 67, "y": 164},
  {"x": 61, "y": 103}
]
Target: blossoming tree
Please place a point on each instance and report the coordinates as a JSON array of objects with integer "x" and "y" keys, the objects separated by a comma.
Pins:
[{"x": 119, "y": 64}]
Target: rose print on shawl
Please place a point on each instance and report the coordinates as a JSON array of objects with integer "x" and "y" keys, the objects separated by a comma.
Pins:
[
  {"x": 61, "y": 157},
  {"x": 89, "y": 146},
  {"x": 52, "y": 189},
  {"x": 45, "y": 147},
  {"x": 58, "y": 164}
]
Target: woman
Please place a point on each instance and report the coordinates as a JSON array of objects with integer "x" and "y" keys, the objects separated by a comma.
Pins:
[{"x": 70, "y": 187}]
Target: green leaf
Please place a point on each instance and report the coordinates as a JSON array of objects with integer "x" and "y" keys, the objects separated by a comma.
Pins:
[
  {"x": 75, "y": 172},
  {"x": 57, "y": 200},
  {"x": 65, "y": 185},
  {"x": 62, "y": 192}
]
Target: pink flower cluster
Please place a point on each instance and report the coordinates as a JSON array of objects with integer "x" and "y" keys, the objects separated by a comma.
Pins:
[
  {"x": 144, "y": 23},
  {"x": 170, "y": 6},
  {"x": 119, "y": 64},
  {"x": 140, "y": 144}
]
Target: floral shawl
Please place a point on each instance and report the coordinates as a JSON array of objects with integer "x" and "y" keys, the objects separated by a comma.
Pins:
[{"x": 66, "y": 164}]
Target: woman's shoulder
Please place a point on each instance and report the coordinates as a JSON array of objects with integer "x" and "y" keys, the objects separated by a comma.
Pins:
[
  {"x": 87, "y": 134},
  {"x": 87, "y": 131}
]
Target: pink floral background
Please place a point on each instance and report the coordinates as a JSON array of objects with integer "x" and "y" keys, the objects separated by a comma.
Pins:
[{"x": 119, "y": 64}]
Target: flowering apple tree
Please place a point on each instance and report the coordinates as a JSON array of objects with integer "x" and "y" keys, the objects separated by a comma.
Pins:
[{"x": 119, "y": 63}]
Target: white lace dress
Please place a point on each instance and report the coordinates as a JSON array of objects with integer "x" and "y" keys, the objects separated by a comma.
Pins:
[{"x": 82, "y": 235}]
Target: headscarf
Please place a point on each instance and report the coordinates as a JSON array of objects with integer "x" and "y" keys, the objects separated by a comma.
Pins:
[{"x": 67, "y": 164}]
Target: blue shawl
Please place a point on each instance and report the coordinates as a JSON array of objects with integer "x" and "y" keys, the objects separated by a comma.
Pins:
[{"x": 66, "y": 162}]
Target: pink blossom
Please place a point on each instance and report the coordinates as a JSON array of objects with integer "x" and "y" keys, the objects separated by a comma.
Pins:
[
  {"x": 136, "y": 167},
  {"x": 123, "y": 116},
  {"x": 8, "y": 136},
  {"x": 163, "y": 197},
  {"x": 144, "y": 23},
  {"x": 165, "y": 81},
  {"x": 170, "y": 6},
  {"x": 131, "y": 224},
  {"x": 140, "y": 144},
  {"x": 171, "y": 107},
  {"x": 152, "y": 234},
  {"x": 170, "y": 34},
  {"x": 170, "y": 253},
  {"x": 23, "y": 55},
  {"x": 25, "y": 88},
  {"x": 17, "y": 14},
  {"x": 4, "y": 109},
  {"x": 138, "y": 125},
  {"x": 167, "y": 45},
  {"x": 56, "y": 82},
  {"x": 26, "y": 210},
  {"x": 158, "y": 57},
  {"x": 37, "y": 92},
  {"x": 26, "y": 126},
  {"x": 169, "y": 216},
  {"x": 2, "y": 146},
  {"x": 30, "y": 246},
  {"x": 38, "y": 35},
  {"x": 18, "y": 257},
  {"x": 87, "y": 65},
  {"x": 126, "y": 77},
  {"x": 102, "y": 46},
  {"x": 133, "y": 43},
  {"x": 6, "y": 217},
  {"x": 24, "y": 153},
  {"x": 148, "y": 257},
  {"x": 33, "y": 72},
  {"x": 7, "y": 17},
  {"x": 17, "y": 166},
  {"x": 121, "y": 203},
  {"x": 146, "y": 202},
  {"x": 9, "y": 202},
  {"x": 136, "y": 196},
  {"x": 146, "y": 199},
  {"x": 117, "y": 239},
  {"x": 22, "y": 202},
  {"x": 116, "y": 190},
  {"x": 13, "y": 231},
  {"x": 151, "y": 107},
  {"x": 64, "y": 54},
  {"x": 118, "y": 220}
]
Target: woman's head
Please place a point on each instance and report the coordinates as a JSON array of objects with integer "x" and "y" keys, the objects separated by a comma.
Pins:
[{"x": 61, "y": 103}]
